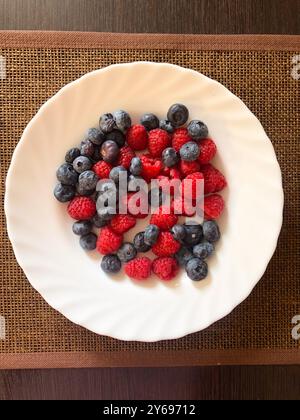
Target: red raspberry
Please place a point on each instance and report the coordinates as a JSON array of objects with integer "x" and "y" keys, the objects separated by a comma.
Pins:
[
  {"x": 159, "y": 140},
  {"x": 165, "y": 268},
  {"x": 188, "y": 168},
  {"x": 208, "y": 150},
  {"x": 122, "y": 223},
  {"x": 139, "y": 268},
  {"x": 125, "y": 156},
  {"x": 172, "y": 173},
  {"x": 213, "y": 206},
  {"x": 151, "y": 167},
  {"x": 126, "y": 199},
  {"x": 167, "y": 185},
  {"x": 179, "y": 138},
  {"x": 108, "y": 241},
  {"x": 214, "y": 180},
  {"x": 190, "y": 191},
  {"x": 183, "y": 207},
  {"x": 166, "y": 245},
  {"x": 137, "y": 137},
  {"x": 164, "y": 218},
  {"x": 82, "y": 208},
  {"x": 102, "y": 169}
]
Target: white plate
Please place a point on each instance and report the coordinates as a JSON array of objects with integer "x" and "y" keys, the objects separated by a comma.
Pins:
[{"x": 70, "y": 280}]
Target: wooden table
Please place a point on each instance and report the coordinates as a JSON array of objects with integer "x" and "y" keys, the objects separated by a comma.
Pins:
[{"x": 174, "y": 16}]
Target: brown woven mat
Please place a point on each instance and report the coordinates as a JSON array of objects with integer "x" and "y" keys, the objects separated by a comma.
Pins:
[{"x": 256, "y": 68}]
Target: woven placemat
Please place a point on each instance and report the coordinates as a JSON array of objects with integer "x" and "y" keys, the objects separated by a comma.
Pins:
[{"x": 262, "y": 71}]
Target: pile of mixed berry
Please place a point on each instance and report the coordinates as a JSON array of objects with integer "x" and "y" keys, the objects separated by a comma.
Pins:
[{"x": 166, "y": 150}]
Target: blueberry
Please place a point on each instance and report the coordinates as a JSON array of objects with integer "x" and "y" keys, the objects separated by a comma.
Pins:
[
  {"x": 107, "y": 194},
  {"x": 117, "y": 136},
  {"x": 115, "y": 173},
  {"x": 150, "y": 121},
  {"x": 196, "y": 269},
  {"x": 151, "y": 234},
  {"x": 178, "y": 115},
  {"x": 167, "y": 126},
  {"x": 66, "y": 174},
  {"x": 88, "y": 242},
  {"x": 64, "y": 193},
  {"x": 156, "y": 197},
  {"x": 98, "y": 221},
  {"x": 109, "y": 151},
  {"x": 179, "y": 232},
  {"x": 83, "y": 227},
  {"x": 169, "y": 157},
  {"x": 197, "y": 130},
  {"x": 81, "y": 164},
  {"x": 87, "y": 148},
  {"x": 139, "y": 243},
  {"x": 88, "y": 180},
  {"x": 72, "y": 154},
  {"x": 127, "y": 252},
  {"x": 122, "y": 120},
  {"x": 84, "y": 192},
  {"x": 107, "y": 123},
  {"x": 183, "y": 255},
  {"x": 189, "y": 151},
  {"x": 106, "y": 213},
  {"x": 111, "y": 264},
  {"x": 97, "y": 154},
  {"x": 203, "y": 250},
  {"x": 194, "y": 234},
  {"x": 135, "y": 166},
  {"x": 211, "y": 231},
  {"x": 135, "y": 183},
  {"x": 96, "y": 136},
  {"x": 106, "y": 186}
]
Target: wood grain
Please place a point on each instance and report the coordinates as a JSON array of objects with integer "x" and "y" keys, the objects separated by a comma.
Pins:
[{"x": 166, "y": 16}]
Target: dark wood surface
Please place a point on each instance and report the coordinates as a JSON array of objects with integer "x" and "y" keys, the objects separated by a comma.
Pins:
[{"x": 174, "y": 16}]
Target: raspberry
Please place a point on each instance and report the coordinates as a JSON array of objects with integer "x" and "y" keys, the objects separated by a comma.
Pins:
[
  {"x": 188, "y": 168},
  {"x": 165, "y": 245},
  {"x": 122, "y": 223},
  {"x": 125, "y": 156},
  {"x": 137, "y": 137},
  {"x": 165, "y": 268},
  {"x": 108, "y": 241},
  {"x": 208, "y": 150},
  {"x": 136, "y": 203},
  {"x": 179, "y": 138},
  {"x": 189, "y": 185},
  {"x": 102, "y": 169},
  {"x": 159, "y": 140},
  {"x": 82, "y": 208},
  {"x": 164, "y": 218},
  {"x": 214, "y": 180},
  {"x": 151, "y": 167},
  {"x": 139, "y": 268},
  {"x": 183, "y": 207},
  {"x": 172, "y": 173},
  {"x": 213, "y": 206}
]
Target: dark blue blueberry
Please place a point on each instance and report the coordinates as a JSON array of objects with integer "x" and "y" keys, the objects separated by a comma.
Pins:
[
  {"x": 81, "y": 164},
  {"x": 197, "y": 130},
  {"x": 189, "y": 151},
  {"x": 179, "y": 232},
  {"x": 169, "y": 157},
  {"x": 203, "y": 250},
  {"x": 84, "y": 192},
  {"x": 96, "y": 136},
  {"x": 122, "y": 120},
  {"x": 117, "y": 136},
  {"x": 110, "y": 151},
  {"x": 83, "y": 227},
  {"x": 88, "y": 242},
  {"x": 211, "y": 231},
  {"x": 194, "y": 234},
  {"x": 150, "y": 121},
  {"x": 88, "y": 180},
  {"x": 64, "y": 193},
  {"x": 66, "y": 174},
  {"x": 139, "y": 243},
  {"x": 72, "y": 154},
  {"x": 135, "y": 183},
  {"x": 97, "y": 154},
  {"x": 107, "y": 123},
  {"x": 167, "y": 126},
  {"x": 111, "y": 264},
  {"x": 178, "y": 115},
  {"x": 135, "y": 166},
  {"x": 183, "y": 255},
  {"x": 105, "y": 213},
  {"x": 127, "y": 252},
  {"x": 87, "y": 148},
  {"x": 114, "y": 174},
  {"x": 151, "y": 234},
  {"x": 98, "y": 221},
  {"x": 196, "y": 269}
]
